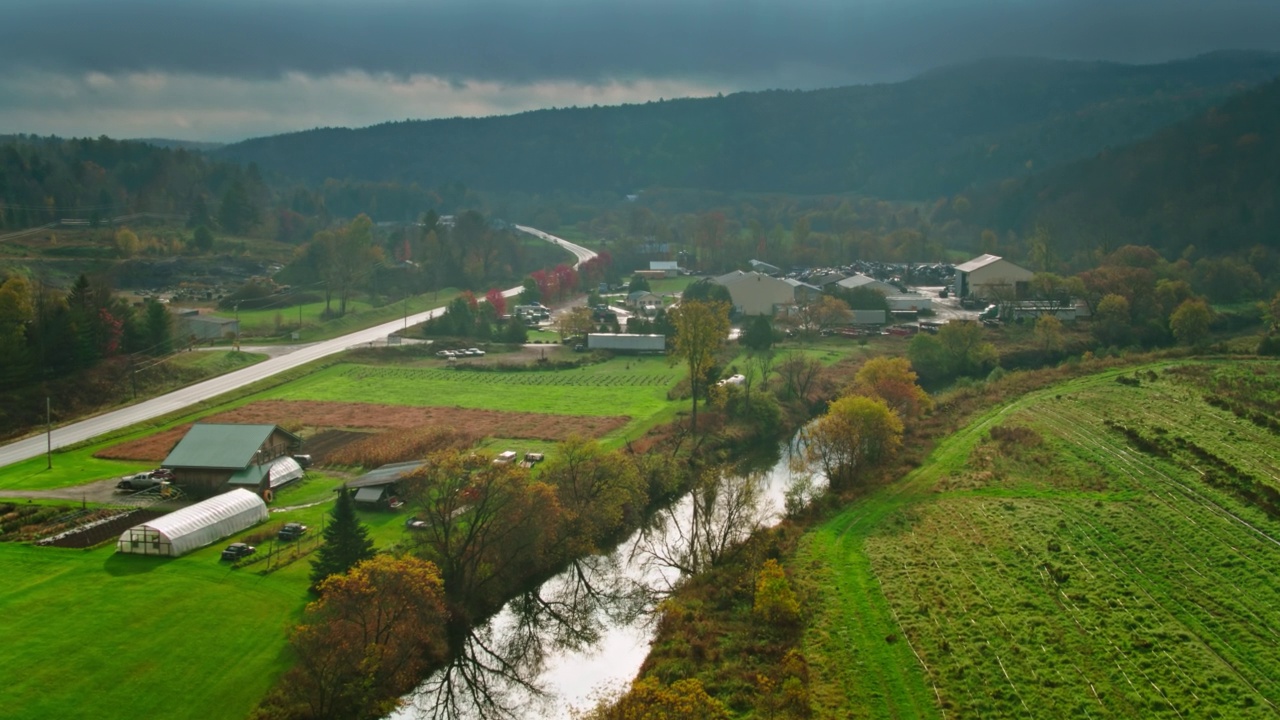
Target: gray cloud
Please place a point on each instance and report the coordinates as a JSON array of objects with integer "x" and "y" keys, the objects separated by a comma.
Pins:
[
  {"x": 749, "y": 43},
  {"x": 230, "y": 69}
]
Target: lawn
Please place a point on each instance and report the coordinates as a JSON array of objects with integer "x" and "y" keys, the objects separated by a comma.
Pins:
[
  {"x": 135, "y": 637},
  {"x": 258, "y": 325},
  {"x": 1104, "y": 547},
  {"x": 72, "y": 467}
]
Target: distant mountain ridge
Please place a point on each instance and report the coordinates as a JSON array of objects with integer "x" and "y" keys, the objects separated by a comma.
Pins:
[
  {"x": 1212, "y": 181},
  {"x": 937, "y": 134}
]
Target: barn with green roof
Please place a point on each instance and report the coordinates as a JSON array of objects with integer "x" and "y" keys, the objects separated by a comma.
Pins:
[{"x": 213, "y": 458}]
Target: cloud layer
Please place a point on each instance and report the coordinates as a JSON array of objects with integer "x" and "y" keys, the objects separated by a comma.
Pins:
[{"x": 233, "y": 68}]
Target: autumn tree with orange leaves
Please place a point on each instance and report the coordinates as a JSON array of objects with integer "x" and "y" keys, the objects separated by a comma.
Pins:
[{"x": 365, "y": 643}]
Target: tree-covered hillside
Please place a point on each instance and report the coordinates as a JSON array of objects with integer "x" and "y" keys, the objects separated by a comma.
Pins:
[
  {"x": 933, "y": 135},
  {"x": 1212, "y": 182},
  {"x": 48, "y": 179}
]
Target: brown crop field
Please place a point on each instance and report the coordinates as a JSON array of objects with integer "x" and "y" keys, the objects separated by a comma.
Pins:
[{"x": 320, "y": 414}]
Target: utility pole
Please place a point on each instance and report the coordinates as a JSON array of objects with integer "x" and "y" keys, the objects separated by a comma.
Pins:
[
  {"x": 133, "y": 376},
  {"x": 406, "y": 311},
  {"x": 237, "y": 306},
  {"x": 48, "y": 428}
]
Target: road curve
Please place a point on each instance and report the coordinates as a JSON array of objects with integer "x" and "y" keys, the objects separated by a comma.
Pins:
[{"x": 114, "y": 420}]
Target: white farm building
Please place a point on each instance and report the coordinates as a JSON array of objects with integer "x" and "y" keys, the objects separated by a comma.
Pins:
[
  {"x": 990, "y": 276},
  {"x": 194, "y": 527}
]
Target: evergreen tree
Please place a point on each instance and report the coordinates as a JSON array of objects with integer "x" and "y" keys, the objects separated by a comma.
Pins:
[
  {"x": 758, "y": 334},
  {"x": 346, "y": 541}
]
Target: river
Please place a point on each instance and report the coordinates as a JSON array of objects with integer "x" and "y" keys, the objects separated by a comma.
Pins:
[{"x": 584, "y": 633}]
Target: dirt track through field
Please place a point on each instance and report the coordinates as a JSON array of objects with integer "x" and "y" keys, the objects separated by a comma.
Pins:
[{"x": 319, "y": 414}]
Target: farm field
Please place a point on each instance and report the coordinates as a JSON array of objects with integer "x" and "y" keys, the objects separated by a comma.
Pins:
[
  {"x": 635, "y": 388},
  {"x": 134, "y": 636},
  {"x": 126, "y": 627},
  {"x": 1108, "y": 547}
]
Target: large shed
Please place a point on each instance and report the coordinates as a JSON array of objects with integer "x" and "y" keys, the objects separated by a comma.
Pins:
[
  {"x": 194, "y": 527},
  {"x": 989, "y": 277},
  {"x": 214, "y": 457}
]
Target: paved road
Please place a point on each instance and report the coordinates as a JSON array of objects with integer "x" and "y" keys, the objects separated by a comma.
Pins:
[{"x": 179, "y": 399}]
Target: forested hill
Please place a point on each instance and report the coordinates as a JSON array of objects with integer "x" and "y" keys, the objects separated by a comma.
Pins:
[
  {"x": 933, "y": 135},
  {"x": 48, "y": 179},
  {"x": 1212, "y": 182}
]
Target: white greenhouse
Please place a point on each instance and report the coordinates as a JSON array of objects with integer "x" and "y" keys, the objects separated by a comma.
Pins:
[{"x": 194, "y": 527}]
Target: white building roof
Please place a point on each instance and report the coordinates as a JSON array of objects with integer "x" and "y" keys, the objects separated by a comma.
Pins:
[
  {"x": 860, "y": 280},
  {"x": 977, "y": 263},
  {"x": 196, "y": 526}
]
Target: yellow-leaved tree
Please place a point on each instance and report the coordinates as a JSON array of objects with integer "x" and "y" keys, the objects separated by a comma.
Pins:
[{"x": 701, "y": 328}]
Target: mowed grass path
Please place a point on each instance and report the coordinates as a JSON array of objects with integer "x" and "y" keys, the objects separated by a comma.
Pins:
[{"x": 1063, "y": 574}]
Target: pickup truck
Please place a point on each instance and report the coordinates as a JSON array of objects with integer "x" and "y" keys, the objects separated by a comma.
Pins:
[
  {"x": 235, "y": 551},
  {"x": 291, "y": 531},
  {"x": 144, "y": 480}
]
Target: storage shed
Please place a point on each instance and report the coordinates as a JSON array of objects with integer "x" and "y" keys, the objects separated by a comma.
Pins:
[
  {"x": 194, "y": 527},
  {"x": 989, "y": 277},
  {"x": 211, "y": 455}
]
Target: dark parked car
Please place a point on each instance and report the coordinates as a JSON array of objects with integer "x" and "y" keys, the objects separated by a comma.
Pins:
[
  {"x": 235, "y": 551},
  {"x": 291, "y": 531}
]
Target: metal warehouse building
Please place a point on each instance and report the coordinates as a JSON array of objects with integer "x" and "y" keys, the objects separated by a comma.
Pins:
[{"x": 194, "y": 527}]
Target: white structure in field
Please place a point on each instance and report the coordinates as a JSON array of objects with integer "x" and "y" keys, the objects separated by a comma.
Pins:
[
  {"x": 194, "y": 527},
  {"x": 988, "y": 277}
]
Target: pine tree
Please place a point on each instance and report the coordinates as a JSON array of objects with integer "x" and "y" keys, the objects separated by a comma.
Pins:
[{"x": 346, "y": 541}]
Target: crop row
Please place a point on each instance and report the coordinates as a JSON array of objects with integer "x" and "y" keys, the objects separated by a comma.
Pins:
[
  {"x": 1153, "y": 599},
  {"x": 566, "y": 378}
]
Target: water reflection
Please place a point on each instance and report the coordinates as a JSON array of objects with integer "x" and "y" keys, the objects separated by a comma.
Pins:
[
  {"x": 497, "y": 672},
  {"x": 589, "y": 627}
]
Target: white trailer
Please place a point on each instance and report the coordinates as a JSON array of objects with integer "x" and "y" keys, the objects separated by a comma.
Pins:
[
  {"x": 909, "y": 303},
  {"x": 622, "y": 342}
]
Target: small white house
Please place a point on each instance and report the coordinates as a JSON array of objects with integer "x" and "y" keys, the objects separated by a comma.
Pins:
[{"x": 644, "y": 300}]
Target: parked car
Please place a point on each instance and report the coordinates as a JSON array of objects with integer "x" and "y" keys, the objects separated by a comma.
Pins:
[
  {"x": 475, "y": 352},
  {"x": 235, "y": 551},
  {"x": 291, "y": 531},
  {"x": 446, "y": 354}
]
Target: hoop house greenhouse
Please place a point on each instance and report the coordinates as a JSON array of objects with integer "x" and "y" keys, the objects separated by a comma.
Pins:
[{"x": 191, "y": 528}]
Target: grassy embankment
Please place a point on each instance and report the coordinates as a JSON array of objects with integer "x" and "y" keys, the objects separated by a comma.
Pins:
[
  {"x": 1099, "y": 548},
  {"x": 259, "y": 326}
]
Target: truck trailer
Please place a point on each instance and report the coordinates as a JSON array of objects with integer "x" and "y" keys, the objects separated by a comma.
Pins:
[{"x": 625, "y": 343}]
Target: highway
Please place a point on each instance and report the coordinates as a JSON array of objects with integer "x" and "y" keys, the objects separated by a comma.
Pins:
[{"x": 116, "y": 419}]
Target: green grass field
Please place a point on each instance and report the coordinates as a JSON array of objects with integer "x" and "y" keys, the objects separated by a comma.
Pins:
[
  {"x": 96, "y": 634},
  {"x": 258, "y": 325},
  {"x": 636, "y": 387},
  {"x": 1044, "y": 558}
]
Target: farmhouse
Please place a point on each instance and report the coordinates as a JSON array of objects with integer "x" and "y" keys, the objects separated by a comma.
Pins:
[
  {"x": 644, "y": 300},
  {"x": 755, "y": 293},
  {"x": 213, "y": 458},
  {"x": 379, "y": 487},
  {"x": 990, "y": 277},
  {"x": 194, "y": 527}
]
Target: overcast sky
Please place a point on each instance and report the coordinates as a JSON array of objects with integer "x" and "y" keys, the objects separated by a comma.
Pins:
[{"x": 230, "y": 69}]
